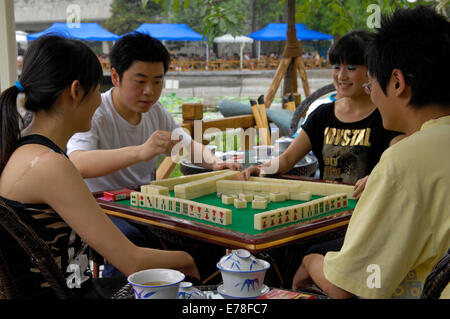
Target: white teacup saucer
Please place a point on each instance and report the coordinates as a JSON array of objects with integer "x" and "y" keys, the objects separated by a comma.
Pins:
[{"x": 221, "y": 290}]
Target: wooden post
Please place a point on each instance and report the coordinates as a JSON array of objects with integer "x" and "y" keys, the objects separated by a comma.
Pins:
[
  {"x": 303, "y": 76},
  {"x": 165, "y": 168},
  {"x": 255, "y": 111},
  {"x": 8, "y": 64},
  {"x": 192, "y": 111},
  {"x": 292, "y": 54},
  {"x": 265, "y": 138},
  {"x": 294, "y": 77},
  {"x": 297, "y": 99},
  {"x": 279, "y": 74}
]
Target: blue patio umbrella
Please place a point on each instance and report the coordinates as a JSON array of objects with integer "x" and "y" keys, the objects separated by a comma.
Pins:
[
  {"x": 277, "y": 32},
  {"x": 170, "y": 31},
  {"x": 81, "y": 31}
]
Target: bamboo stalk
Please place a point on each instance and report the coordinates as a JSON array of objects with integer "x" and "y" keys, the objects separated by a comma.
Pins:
[
  {"x": 257, "y": 116},
  {"x": 262, "y": 111}
]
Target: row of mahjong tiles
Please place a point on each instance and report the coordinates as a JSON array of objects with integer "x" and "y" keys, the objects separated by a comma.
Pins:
[
  {"x": 243, "y": 219},
  {"x": 306, "y": 211}
]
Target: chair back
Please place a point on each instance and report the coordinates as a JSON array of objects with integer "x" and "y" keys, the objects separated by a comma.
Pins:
[
  {"x": 438, "y": 279},
  {"x": 36, "y": 249},
  {"x": 303, "y": 107}
]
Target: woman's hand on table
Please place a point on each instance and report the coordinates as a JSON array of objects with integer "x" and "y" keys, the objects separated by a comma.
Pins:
[{"x": 250, "y": 171}]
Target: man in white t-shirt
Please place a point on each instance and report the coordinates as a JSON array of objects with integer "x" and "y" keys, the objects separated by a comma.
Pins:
[
  {"x": 130, "y": 129},
  {"x": 120, "y": 165}
]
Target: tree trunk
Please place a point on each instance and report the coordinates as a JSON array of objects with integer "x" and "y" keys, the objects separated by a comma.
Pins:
[
  {"x": 254, "y": 28},
  {"x": 291, "y": 75}
]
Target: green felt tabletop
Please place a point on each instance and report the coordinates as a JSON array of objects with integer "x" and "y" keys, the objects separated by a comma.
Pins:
[{"x": 242, "y": 220}]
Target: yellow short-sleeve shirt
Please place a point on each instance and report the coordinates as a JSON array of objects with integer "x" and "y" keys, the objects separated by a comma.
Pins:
[{"x": 401, "y": 225}]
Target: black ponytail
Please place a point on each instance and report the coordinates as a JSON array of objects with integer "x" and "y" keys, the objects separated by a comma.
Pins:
[
  {"x": 50, "y": 65},
  {"x": 9, "y": 123}
]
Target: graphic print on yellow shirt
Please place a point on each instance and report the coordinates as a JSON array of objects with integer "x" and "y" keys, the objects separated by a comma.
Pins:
[{"x": 410, "y": 287}]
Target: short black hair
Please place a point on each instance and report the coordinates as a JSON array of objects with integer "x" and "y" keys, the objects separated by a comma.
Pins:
[
  {"x": 351, "y": 48},
  {"x": 137, "y": 46},
  {"x": 417, "y": 42}
]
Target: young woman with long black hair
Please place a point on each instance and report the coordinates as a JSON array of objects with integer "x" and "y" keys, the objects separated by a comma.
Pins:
[{"x": 61, "y": 79}]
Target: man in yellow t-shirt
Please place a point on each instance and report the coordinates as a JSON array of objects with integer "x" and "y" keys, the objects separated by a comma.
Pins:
[{"x": 401, "y": 225}]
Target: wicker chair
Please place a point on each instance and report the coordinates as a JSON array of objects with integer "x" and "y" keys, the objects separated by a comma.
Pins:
[
  {"x": 38, "y": 252},
  {"x": 438, "y": 279},
  {"x": 306, "y": 103}
]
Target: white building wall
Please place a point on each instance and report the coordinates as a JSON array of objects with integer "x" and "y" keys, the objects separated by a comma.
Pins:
[{"x": 35, "y": 15}]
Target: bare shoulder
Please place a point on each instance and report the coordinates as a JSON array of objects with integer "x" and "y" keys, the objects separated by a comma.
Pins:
[
  {"x": 49, "y": 162},
  {"x": 34, "y": 172},
  {"x": 55, "y": 168}
]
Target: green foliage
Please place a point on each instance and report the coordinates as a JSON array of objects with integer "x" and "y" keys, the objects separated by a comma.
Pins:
[
  {"x": 210, "y": 17},
  {"x": 172, "y": 103},
  {"x": 234, "y": 16},
  {"x": 175, "y": 172},
  {"x": 267, "y": 11},
  {"x": 222, "y": 19},
  {"x": 127, "y": 15},
  {"x": 191, "y": 15},
  {"x": 340, "y": 16},
  {"x": 213, "y": 19}
]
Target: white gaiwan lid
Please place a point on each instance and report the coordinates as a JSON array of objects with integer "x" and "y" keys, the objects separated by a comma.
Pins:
[{"x": 241, "y": 261}]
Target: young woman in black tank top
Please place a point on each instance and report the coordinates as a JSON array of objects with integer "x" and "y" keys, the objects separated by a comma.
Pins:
[{"x": 60, "y": 80}]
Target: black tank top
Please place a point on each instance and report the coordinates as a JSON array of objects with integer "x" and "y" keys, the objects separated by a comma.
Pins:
[
  {"x": 66, "y": 246},
  {"x": 42, "y": 140}
]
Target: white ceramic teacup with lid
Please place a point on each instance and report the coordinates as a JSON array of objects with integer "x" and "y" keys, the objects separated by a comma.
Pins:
[{"x": 242, "y": 274}]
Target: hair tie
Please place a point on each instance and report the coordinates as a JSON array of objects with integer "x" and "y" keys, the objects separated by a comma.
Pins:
[{"x": 19, "y": 86}]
